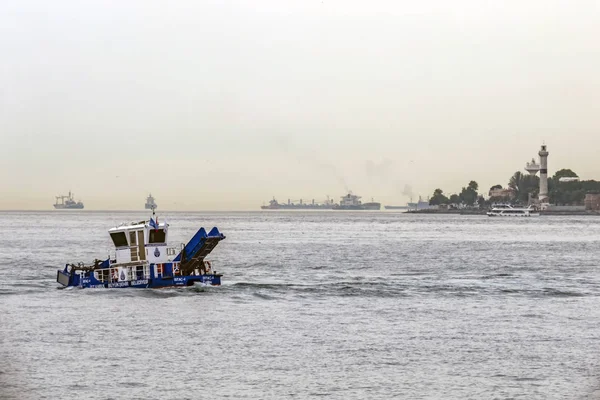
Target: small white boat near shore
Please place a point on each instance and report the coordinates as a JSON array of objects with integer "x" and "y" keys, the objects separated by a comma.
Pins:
[{"x": 506, "y": 210}]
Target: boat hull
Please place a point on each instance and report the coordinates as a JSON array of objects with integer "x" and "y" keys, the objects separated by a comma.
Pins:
[
  {"x": 491, "y": 214},
  {"x": 360, "y": 207},
  {"x": 298, "y": 207},
  {"x": 396, "y": 207},
  {"x": 68, "y": 207},
  {"x": 66, "y": 279}
]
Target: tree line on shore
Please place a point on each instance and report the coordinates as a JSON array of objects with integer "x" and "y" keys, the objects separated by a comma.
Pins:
[{"x": 521, "y": 189}]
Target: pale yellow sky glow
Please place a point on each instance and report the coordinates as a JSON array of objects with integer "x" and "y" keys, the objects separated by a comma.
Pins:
[{"x": 220, "y": 105}]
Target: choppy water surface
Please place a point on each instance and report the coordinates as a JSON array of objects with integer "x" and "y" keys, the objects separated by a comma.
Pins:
[{"x": 330, "y": 304}]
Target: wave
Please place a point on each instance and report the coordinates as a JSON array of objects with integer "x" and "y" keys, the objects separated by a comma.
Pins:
[
  {"x": 359, "y": 286},
  {"x": 545, "y": 292},
  {"x": 562, "y": 293},
  {"x": 343, "y": 289},
  {"x": 393, "y": 289}
]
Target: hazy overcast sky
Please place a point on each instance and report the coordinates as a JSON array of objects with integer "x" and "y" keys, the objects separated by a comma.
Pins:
[{"x": 223, "y": 104}]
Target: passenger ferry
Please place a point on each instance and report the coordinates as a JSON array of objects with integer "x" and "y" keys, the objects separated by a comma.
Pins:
[
  {"x": 142, "y": 259},
  {"x": 506, "y": 210}
]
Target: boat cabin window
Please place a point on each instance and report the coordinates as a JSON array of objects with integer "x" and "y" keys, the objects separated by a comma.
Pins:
[
  {"x": 102, "y": 275},
  {"x": 132, "y": 239},
  {"x": 157, "y": 236},
  {"x": 139, "y": 272},
  {"x": 119, "y": 239}
]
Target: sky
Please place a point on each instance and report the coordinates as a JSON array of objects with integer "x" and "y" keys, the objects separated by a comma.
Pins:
[{"x": 223, "y": 104}]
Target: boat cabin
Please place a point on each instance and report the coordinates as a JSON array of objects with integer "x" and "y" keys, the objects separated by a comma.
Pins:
[{"x": 141, "y": 242}]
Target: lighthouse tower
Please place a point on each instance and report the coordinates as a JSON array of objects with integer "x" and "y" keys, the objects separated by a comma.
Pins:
[{"x": 543, "y": 153}]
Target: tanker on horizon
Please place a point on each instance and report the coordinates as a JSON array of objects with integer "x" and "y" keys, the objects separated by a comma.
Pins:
[{"x": 300, "y": 205}]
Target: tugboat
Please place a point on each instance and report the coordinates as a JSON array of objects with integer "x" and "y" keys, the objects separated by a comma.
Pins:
[{"x": 143, "y": 260}]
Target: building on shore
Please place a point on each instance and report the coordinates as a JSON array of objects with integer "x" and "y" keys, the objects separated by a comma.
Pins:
[
  {"x": 532, "y": 167},
  {"x": 592, "y": 202},
  {"x": 501, "y": 193},
  {"x": 569, "y": 179}
]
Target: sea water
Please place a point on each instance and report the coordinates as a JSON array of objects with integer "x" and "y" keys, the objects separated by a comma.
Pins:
[{"x": 332, "y": 304}]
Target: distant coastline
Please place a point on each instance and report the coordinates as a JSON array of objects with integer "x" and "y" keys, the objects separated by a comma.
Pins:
[
  {"x": 430, "y": 211},
  {"x": 483, "y": 212}
]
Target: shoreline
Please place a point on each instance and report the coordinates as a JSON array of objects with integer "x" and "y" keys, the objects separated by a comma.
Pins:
[{"x": 483, "y": 212}]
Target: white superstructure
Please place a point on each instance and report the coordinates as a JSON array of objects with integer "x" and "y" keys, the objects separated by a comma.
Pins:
[
  {"x": 139, "y": 242},
  {"x": 532, "y": 167},
  {"x": 350, "y": 200}
]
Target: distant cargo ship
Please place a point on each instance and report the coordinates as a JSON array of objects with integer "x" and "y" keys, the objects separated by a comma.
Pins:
[
  {"x": 352, "y": 202},
  {"x": 67, "y": 202},
  {"x": 150, "y": 203},
  {"x": 275, "y": 205}
]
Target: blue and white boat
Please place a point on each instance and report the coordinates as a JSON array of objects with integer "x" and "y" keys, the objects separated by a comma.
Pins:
[
  {"x": 142, "y": 259},
  {"x": 506, "y": 210}
]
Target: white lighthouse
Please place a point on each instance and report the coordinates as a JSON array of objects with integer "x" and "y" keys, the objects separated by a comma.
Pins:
[{"x": 543, "y": 196}]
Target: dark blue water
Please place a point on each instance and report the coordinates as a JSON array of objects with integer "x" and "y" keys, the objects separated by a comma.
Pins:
[{"x": 314, "y": 304}]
